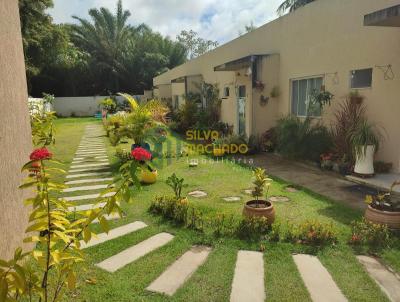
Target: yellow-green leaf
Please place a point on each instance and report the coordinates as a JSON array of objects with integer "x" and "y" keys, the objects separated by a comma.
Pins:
[{"x": 71, "y": 280}]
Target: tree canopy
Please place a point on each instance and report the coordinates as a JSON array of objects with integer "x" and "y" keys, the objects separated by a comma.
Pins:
[
  {"x": 292, "y": 5},
  {"x": 102, "y": 55}
]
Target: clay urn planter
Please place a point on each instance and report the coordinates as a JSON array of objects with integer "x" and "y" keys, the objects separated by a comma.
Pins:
[
  {"x": 260, "y": 207},
  {"x": 384, "y": 208}
]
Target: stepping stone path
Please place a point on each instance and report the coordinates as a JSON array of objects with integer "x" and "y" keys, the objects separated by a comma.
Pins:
[
  {"x": 198, "y": 194},
  {"x": 387, "y": 280},
  {"x": 114, "y": 233},
  {"x": 90, "y": 166},
  {"x": 180, "y": 271},
  {"x": 248, "y": 191},
  {"x": 231, "y": 198},
  {"x": 135, "y": 252},
  {"x": 248, "y": 280},
  {"x": 317, "y": 279},
  {"x": 279, "y": 199}
]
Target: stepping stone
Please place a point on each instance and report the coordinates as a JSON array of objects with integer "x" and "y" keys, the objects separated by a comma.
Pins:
[
  {"x": 86, "y": 188},
  {"x": 248, "y": 191},
  {"x": 248, "y": 280},
  {"x": 86, "y": 207},
  {"x": 104, "y": 160},
  {"x": 180, "y": 271},
  {"x": 91, "y": 157},
  {"x": 278, "y": 199},
  {"x": 387, "y": 280},
  {"x": 114, "y": 233},
  {"x": 135, "y": 252},
  {"x": 291, "y": 189},
  {"x": 88, "y": 174},
  {"x": 89, "y": 196},
  {"x": 231, "y": 198},
  {"x": 112, "y": 216},
  {"x": 90, "y": 152},
  {"x": 198, "y": 194},
  {"x": 317, "y": 279},
  {"x": 91, "y": 149},
  {"x": 90, "y": 165},
  {"x": 90, "y": 180},
  {"x": 89, "y": 169}
]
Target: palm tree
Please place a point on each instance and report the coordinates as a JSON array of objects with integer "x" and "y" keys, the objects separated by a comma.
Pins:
[
  {"x": 292, "y": 5},
  {"x": 105, "y": 39}
]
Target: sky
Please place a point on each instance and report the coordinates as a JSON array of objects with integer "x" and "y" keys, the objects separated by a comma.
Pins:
[{"x": 218, "y": 20}]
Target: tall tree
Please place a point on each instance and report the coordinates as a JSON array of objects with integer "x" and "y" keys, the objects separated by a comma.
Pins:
[
  {"x": 41, "y": 38},
  {"x": 292, "y": 5},
  {"x": 248, "y": 28},
  {"x": 194, "y": 44},
  {"x": 105, "y": 40}
]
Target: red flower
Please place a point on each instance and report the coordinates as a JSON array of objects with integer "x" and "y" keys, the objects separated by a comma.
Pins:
[
  {"x": 141, "y": 154},
  {"x": 40, "y": 154}
]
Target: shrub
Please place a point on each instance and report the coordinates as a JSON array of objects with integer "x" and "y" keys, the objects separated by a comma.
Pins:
[
  {"x": 312, "y": 232},
  {"x": 302, "y": 139},
  {"x": 376, "y": 236},
  {"x": 171, "y": 208},
  {"x": 252, "y": 227}
]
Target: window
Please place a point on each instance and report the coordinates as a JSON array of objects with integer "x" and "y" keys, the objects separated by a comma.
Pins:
[
  {"x": 361, "y": 78},
  {"x": 242, "y": 91},
  {"x": 302, "y": 91},
  {"x": 226, "y": 92}
]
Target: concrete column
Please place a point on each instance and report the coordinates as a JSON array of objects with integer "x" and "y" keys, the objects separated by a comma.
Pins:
[{"x": 15, "y": 131}]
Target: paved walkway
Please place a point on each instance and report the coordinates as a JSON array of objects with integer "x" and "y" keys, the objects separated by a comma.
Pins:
[{"x": 326, "y": 183}]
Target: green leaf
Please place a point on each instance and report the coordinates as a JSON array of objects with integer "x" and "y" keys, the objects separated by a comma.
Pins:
[
  {"x": 87, "y": 235},
  {"x": 3, "y": 289},
  {"x": 71, "y": 280},
  {"x": 104, "y": 224}
]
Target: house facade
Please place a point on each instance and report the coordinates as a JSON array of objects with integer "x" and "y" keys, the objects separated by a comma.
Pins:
[{"x": 270, "y": 72}]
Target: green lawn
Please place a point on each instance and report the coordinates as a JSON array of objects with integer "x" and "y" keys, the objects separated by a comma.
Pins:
[{"x": 212, "y": 282}]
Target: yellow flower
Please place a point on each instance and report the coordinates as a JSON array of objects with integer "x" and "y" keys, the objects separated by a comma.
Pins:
[{"x": 368, "y": 199}]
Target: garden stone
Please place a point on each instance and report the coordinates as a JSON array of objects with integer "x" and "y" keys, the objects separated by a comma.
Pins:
[
  {"x": 291, "y": 189},
  {"x": 88, "y": 174},
  {"x": 90, "y": 160},
  {"x": 90, "y": 152},
  {"x": 135, "y": 252},
  {"x": 112, "y": 216},
  {"x": 89, "y": 196},
  {"x": 86, "y": 188},
  {"x": 387, "y": 280},
  {"x": 92, "y": 169},
  {"x": 278, "y": 199},
  {"x": 317, "y": 279},
  {"x": 231, "y": 198},
  {"x": 180, "y": 271},
  {"x": 248, "y": 191},
  {"x": 114, "y": 233},
  {"x": 91, "y": 157},
  {"x": 90, "y": 180},
  {"x": 90, "y": 165},
  {"x": 198, "y": 194},
  {"x": 86, "y": 207},
  {"x": 248, "y": 280}
]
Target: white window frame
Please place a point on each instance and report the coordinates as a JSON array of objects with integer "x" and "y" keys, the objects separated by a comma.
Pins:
[{"x": 291, "y": 93}]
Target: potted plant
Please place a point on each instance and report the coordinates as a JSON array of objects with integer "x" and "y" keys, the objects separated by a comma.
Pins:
[
  {"x": 364, "y": 139},
  {"x": 322, "y": 97},
  {"x": 384, "y": 208},
  {"x": 326, "y": 161},
  {"x": 148, "y": 174},
  {"x": 218, "y": 149},
  {"x": 257, "y": 206},
  {"x": 107, "y": 106}
]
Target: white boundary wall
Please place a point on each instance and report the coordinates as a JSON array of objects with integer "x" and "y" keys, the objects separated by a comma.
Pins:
[{"x": 86, "y": 105}]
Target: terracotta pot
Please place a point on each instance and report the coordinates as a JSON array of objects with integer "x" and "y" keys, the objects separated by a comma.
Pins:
[
  {"x": 391, "y": 219},
  {"x": 365, "y": 163},
  {"x": 148, "y": 177},
  {"x": 268, "y": 211}
]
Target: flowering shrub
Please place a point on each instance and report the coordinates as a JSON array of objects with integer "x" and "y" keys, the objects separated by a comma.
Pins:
[
  {"x": 375, "y": 236},
  {"x": 312, "y": 232},
  {"x": 41, "y": 154},
  {"x": 43, "y": 273},
  {"x": 252, "y": 227},
  {"x": 386, "y": 201},
  {"x": 141, "y": 154}
]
